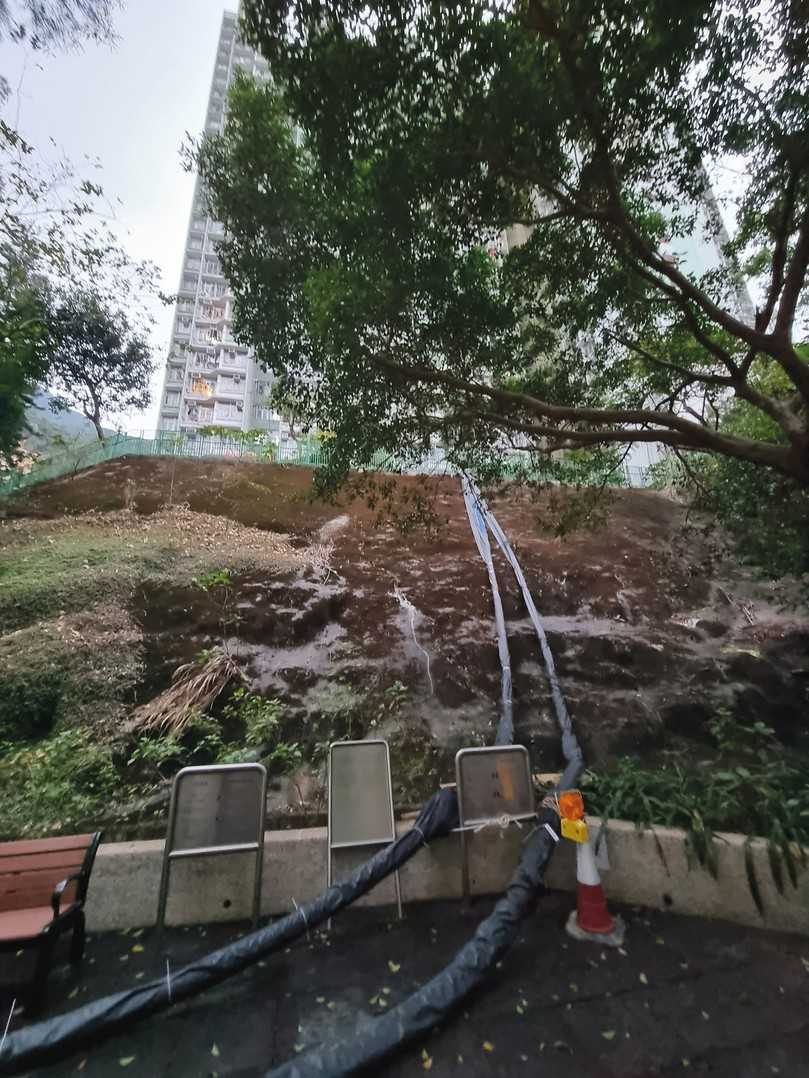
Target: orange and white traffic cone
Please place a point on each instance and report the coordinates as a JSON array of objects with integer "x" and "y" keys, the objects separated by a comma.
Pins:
[{"x": 591, "y": 920}]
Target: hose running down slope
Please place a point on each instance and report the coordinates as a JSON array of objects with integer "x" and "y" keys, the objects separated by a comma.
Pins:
[
  {"x": 60, "y": 1036},
  {"x": 434, "y": 1001}
]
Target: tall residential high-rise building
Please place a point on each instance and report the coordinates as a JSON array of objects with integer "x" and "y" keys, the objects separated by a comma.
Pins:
[{"x": 210, "y": 379}]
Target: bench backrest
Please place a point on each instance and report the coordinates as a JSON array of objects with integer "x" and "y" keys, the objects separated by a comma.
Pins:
[{"x": 31, "y": 868}]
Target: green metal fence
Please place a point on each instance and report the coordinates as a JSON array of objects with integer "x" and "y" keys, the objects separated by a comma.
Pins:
[
  {"x": 161, "y": 444},
  {"x": 309, "y": 454}
]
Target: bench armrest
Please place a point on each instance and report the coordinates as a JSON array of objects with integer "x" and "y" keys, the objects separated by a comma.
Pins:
[{"x": 60, "y": 888}]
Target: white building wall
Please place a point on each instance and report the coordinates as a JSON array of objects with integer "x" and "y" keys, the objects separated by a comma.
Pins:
[{"x": 210, "y": 379}]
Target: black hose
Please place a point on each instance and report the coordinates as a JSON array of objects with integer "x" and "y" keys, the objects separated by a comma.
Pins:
[
  {"x": 59, "y": 1036},
  {"x": 432, "y": 1002}
]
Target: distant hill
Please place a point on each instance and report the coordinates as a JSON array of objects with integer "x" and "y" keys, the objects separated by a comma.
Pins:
[{"x": 46, "y": 428}]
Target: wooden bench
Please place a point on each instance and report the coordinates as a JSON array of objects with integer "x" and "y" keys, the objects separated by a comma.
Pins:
[{"x": 43, "y": 885}]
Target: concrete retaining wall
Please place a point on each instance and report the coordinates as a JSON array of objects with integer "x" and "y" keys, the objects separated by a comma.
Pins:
[{"x": 124, "y": 887}]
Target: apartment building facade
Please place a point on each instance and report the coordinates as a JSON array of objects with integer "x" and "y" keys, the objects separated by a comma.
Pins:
[{"x": 211, "y": 380}]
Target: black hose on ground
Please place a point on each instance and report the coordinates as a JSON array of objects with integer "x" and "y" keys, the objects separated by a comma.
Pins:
[
  {"x": 57, "y": 1037},
  {"x": 431, "y": 1003}
]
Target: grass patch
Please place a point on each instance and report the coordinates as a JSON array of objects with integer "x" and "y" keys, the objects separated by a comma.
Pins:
[
  {"x": 62, "y": 784},
  {"x": 754, "y": 786},
  {"x": 62, "y": 572},
  {"x": 74, "y": 670},
  {"x": 69, "y": 564}
]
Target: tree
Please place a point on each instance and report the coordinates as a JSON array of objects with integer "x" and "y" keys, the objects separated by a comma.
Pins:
[
  {"x": 54, "y": 241},
  {"x": 45, "y": 24},
  {"x": 24, "y": 345},
  {"x": 358, "y": 246},
  {"x": 98, "y": 363},
  {"x": 62, "y": 23}
]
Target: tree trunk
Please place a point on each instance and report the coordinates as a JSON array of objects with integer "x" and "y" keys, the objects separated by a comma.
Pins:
[{"x": 96, "y": 421}]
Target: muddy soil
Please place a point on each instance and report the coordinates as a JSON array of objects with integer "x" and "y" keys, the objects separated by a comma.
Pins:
[{"x": 653, "y": 624}]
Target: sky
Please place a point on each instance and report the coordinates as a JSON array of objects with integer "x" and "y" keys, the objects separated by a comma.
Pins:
[{"x": 130, "y": 105}]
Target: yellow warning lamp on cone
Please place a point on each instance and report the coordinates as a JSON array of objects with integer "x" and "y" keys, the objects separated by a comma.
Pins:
[{"x": 571, "y": 813}]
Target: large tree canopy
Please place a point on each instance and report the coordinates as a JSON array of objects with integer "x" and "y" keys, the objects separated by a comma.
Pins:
[{"x": 364, "y": 189}]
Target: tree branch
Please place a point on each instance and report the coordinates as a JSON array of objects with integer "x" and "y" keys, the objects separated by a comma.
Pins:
[
  {"x": 794, "y": 282},
  {"x": 779, "y": 257},
  {"x": 675, "y": 430},
  {"x": 695, "y": 376},
  {"x": 704, "y": 439}
]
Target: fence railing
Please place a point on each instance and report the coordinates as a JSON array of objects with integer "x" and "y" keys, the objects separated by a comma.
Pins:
[
  {"x": 308, "y": 454},
  {"x": 161, "y": 444}
]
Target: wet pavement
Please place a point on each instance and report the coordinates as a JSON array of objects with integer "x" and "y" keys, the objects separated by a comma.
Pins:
[{"x": 684, "y": 996}]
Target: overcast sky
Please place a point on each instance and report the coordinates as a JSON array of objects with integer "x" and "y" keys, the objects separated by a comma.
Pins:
[{"x": 130, "y": 106}]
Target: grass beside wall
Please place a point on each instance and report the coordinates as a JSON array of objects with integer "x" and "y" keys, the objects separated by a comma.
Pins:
[{"x": 753, "y": 785}]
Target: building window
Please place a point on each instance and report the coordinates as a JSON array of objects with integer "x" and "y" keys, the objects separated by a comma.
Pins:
[{"x": 172, "y": 398}]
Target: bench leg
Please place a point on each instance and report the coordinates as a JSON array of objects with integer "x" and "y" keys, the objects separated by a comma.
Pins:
[
  {"x": 38, "y": 987},
  {"x": 77, "y": 939}
]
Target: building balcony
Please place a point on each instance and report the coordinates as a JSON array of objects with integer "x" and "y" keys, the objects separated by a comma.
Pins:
[
  {"x": 202, "y": 417},
  {"x": 210, "y": 314},
  {"x": 232, "y": 363},
  {"x": 229, "y": 392},
  {"x": 195, "y": 393},
  {"x": 203, "y": 363}
]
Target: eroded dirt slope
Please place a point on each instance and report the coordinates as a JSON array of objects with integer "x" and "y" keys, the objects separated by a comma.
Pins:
[{"x": 653, "y": 625}]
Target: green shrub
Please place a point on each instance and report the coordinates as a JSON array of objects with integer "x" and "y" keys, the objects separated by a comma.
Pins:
[
  {"x": 29, "y": 703},
  {"x": 155, "y": 753},
  {"x": 261, "y": 717},
  {"x": 62, "y": 784},
  {"x": 755, "y": 788},
  {"x": 161, "y": 755}
]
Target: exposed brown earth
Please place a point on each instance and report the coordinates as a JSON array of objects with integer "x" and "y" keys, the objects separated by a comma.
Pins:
[{"x": 653, "y": 624}]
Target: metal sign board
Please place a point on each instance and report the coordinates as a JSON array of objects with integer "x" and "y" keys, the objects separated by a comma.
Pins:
[
  {"x": 492, "y": 783},
  {"x": 360, "y": 799},
  {"x": 360, "y": 795},
  {"x": 217, "y": 809}
]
